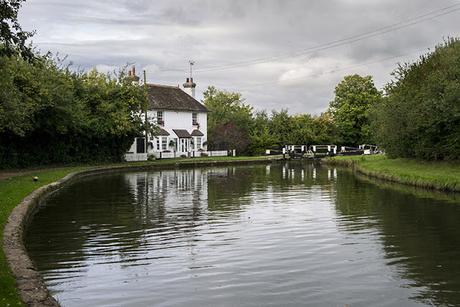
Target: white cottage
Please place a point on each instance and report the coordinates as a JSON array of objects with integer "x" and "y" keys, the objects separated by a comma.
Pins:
[{"x": 182, "y": 121}]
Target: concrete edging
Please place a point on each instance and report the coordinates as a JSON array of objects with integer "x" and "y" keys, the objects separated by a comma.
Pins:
[{"x": 29, "y": 283}]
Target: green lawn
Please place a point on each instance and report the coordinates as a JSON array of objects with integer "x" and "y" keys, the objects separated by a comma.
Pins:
[
  {"x": 14, "y": 189},
  {"x": 438, "y": 175}
]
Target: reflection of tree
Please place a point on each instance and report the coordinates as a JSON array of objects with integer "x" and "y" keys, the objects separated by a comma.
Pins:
[
  {"x": 232, "y": 187},
  {"x": 122, "y": 217},
  {"x": 420, "y": 235},
  {"x": 99, "y": 209},
  {"x": 113, "y": 215}
]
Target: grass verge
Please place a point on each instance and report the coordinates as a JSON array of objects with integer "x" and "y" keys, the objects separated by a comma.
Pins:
[
  {"x": 14, "y": 189},
  {"x": 435, "y": 175}
]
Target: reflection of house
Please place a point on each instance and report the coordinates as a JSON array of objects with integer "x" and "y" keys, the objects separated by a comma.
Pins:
[{"x": 181, "y": 118}]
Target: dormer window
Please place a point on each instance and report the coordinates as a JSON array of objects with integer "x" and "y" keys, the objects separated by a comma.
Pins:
[
  {"x": 194, "y": 119},
  {"x": 160, "y": 120}
]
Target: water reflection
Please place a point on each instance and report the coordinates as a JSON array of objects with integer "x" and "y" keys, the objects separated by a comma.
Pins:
[
  {"x": 420, "y": 236},
  {"x": 279, "y": 234}
]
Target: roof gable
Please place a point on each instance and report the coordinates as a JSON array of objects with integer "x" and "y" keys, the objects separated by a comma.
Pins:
[
  {"x": 197, "y": 132},
  {"x": 182, "y": 133},
  {"x": 166, "y": 97}
]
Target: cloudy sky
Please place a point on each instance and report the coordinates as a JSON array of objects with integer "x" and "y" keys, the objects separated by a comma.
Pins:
[{"x": 277, "y": 53}]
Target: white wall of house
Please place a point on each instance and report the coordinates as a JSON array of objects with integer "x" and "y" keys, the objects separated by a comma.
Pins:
[{"x": 178, "y": 120}]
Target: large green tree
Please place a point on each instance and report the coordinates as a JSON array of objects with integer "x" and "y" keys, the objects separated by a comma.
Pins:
[
  {"x": 354, "y": 96},
  {"x": 12, "y": 37},
  {"x": 53, "y": 115},
  {"x": 420, "y": 115},
  {"x": 229, "y": 120},
  {"x": 261, "y": 137}
]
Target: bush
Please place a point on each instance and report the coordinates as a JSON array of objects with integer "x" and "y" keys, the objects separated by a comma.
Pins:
[
  {"x": 50, "y": 115},
  {"x": 420, "y": 115}
]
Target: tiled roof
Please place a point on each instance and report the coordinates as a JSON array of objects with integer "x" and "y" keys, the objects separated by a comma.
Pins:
[
  {"x": 162, "y": 132},
  {"x": 164, "y": 97},
  {"x": 182, "y": 133},
  {"x": 197, "y": 132}
]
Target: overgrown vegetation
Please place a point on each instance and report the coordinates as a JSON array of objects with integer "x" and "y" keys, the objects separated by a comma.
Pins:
[
  {"x": 49, "y": 114},
  {"x": 420, "y": 114}
]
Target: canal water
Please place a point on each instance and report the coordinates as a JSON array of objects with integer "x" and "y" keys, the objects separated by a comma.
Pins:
[{"x": 283, "y": 234}]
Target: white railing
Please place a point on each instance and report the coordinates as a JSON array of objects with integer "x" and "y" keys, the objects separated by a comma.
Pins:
[
  {"x": 210, "y": 153},
  {"x": 164, "y": 155},
  {"x": 193, "y": 154},
  {"x": 131, "y": 157},
  {"x": 218, "y": 153}
]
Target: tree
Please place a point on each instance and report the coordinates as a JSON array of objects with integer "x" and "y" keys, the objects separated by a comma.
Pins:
[
  {"x": 324, "y": 129},
  {"x": 52, "y": 115},
  {"x": 227, "y": 112},
  {"x": 229, "y": 136},
  {"x": 12, "y": 37},
  {"x": 281, "y": 127},
  {"x": 260, "y": 137},
  {"x": 420, "y": 114},
  {"x": 354, "y": 96}
]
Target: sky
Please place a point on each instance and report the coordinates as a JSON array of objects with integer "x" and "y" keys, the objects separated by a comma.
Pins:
[{"x": 280, "y": 54}]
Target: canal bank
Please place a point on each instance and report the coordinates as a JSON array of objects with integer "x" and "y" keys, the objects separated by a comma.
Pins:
[
  {"x": 444, "y": 176},
  {"x": 20, "y": 195}
]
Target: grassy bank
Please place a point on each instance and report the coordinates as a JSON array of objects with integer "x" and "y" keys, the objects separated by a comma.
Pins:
[
  {"x": 19, "y": 185},
  {"x": 435, "y": 175}
]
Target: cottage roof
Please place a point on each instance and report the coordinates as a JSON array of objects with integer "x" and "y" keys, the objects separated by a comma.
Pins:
[
  {"x": 162, "y": 132},
  {"x": 165, "y": 97},
  {"x": 197, "y": 132},
  {"x": 181, "y": 133}
]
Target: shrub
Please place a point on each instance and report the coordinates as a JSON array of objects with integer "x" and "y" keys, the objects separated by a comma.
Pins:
[
  {"x": 50, "y": 115},
  {"x": 420, "y": 115}
]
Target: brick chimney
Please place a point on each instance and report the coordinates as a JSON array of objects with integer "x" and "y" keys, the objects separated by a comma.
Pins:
[
  {"x": 132, "y": 75},
  {"x": 189, "y": 87}
]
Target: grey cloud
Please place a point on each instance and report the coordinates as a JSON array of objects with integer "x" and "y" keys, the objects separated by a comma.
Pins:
[{"x": 166, "y": 34}]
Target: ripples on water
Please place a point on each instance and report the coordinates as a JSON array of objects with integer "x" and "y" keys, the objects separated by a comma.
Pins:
[{"x": 285, "y": 234}]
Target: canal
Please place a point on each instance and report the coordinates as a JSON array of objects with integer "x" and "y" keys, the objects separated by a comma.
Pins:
[{"x": 281, "y": 234}]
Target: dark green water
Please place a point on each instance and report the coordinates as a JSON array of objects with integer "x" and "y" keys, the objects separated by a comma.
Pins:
[{"x": 286, "y": 234}]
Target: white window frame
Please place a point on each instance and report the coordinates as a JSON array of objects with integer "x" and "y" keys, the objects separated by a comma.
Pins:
[
  {"x": 160, "y": 118},
  {"x": 194, "y": 118}
]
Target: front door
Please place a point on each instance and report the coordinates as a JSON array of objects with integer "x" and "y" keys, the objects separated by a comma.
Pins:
[{"x": 140, "y": 145}]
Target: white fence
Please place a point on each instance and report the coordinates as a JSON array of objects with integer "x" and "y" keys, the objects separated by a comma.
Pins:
[
  {"x": 130, "y": 157},
  {"x": 193, "y": 154},
  {"x": 213, "y": 153}
]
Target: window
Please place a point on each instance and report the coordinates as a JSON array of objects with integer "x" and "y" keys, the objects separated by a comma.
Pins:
[
  {"x": 194, "y": 119},
  {"x": 158, "y": 140},
  {"x": 164, "y": 143},
  {"x": 160, "y": 119},
  {"x": 198, "y": 142}
]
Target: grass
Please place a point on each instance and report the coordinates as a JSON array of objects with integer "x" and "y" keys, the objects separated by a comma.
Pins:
[
  {"x": 14, "y": 189},
  {"x": 434, "y": 174}
]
